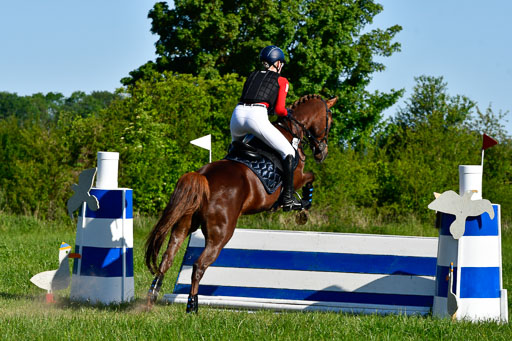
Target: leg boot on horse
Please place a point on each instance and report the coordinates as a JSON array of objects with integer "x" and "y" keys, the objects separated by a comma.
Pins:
[
  {"x": 154, "y": 289},
  {"x": 288, "y": 199},
  {"x": 192, "y": 304}
]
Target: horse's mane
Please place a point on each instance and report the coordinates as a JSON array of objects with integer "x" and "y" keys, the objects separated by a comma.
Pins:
[{"x": 304, "y": 99}]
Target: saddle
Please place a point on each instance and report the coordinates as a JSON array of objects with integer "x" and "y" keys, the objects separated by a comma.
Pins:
[{"x": 261, "y": 159}]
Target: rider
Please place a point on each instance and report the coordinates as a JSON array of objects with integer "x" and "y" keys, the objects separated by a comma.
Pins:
[{"x": 265, "y": 93}]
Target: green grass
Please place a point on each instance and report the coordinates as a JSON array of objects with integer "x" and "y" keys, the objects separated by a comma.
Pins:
[{"x": 29, "y": 246}]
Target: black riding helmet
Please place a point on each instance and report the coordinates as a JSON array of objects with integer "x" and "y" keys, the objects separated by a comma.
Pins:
[{"x": 271, "y": 54}]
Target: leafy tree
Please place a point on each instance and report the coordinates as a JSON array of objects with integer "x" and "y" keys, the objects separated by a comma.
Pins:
[
  {"x": 40, "y": 108},
  {"x": 150, "y": 124},
  {"x": 423, "y": 146},
  {"x": 497, "y": 176},
  {"x": 431, "y": 105},
  {"x": 24, "y": 108},
  {"x": 326, "y": 47},
  {"x": 153, "y": 125},
  {"x": 84, "y": 105},
  {"x": 491, "y": 123}
]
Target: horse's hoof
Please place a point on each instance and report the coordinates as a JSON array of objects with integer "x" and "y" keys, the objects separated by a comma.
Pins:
[
  {"x": 150, "y": 302},
  {"x": 154, "y": 289},
  {"x": 302, "y": 217},
  {"x": 192, "y": 304}
]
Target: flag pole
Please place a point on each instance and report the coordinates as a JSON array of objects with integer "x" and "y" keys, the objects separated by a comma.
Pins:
[
  {"x": 206, "y": 143},
  {"x": 487, "y": 142}
]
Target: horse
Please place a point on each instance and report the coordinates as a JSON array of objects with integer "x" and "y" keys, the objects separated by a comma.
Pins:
[{"x": 218, "y": 193}]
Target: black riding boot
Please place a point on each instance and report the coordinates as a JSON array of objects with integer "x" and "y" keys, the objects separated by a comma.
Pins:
[{"x": 288, "y": 199}]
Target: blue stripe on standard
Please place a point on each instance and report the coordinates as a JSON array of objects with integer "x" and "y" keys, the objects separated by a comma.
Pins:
[
  {"x": 310, "y": 295},
  {"x": 481, "y": 225},
  {"x": 319, "y": 261},
  {"x": 111, "y": 204},
  {"x": 442, "y": 281},
  {"x": 104, "y": 262},
  {"x": 480, "y": 282}
]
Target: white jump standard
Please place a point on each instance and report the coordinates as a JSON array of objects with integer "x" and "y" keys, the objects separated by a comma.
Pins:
[{"x": 104, "y": 239}]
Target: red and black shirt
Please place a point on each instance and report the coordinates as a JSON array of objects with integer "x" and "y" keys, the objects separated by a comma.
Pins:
[{"x": 268, "y": 88}]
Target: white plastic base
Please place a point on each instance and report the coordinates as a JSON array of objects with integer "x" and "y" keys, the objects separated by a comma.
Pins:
[
  {"x": 282, "y": 305},
  {"x": 476, "y": 309},
  {"x": 106, "y": 290}
]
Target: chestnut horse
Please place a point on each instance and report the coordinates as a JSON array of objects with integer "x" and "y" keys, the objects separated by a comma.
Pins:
[{"x": 218, "y": 193}]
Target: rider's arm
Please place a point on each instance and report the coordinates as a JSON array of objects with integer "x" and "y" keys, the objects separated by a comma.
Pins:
[{"x": 280, "y": 108}]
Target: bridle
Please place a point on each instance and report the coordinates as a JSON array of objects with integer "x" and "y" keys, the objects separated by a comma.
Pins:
[{"x": 317, "y": 145}]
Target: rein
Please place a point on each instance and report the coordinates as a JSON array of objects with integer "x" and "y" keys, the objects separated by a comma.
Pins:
[{"x": 309, "y": 137}]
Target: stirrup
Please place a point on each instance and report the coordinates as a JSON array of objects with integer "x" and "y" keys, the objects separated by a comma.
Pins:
[{"x": 291, "y": 204}]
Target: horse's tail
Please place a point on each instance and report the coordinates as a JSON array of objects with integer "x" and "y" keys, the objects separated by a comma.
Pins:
[{"x": 191, "y": 191}]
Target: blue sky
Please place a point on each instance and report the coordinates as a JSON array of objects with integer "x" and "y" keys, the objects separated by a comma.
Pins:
[
  {"x": 69, "y": 45},
  {"x": 468, "y": 42}
]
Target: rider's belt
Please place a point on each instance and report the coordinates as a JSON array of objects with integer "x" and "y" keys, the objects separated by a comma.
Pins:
[{"x": 253, "y": 104}]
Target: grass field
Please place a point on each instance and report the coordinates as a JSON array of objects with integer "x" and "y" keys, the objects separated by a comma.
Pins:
[{"x": 29, "y": 246}]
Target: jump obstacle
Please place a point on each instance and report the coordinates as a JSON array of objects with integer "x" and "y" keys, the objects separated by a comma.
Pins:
[
  {"x": 358, "y": 273},
  {"x": 287, "y": 270},
  {"x": 294, "y": 270}
]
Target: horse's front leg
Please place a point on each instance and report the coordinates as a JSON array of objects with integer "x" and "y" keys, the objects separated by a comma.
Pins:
[{"x": 306, "y": 182}]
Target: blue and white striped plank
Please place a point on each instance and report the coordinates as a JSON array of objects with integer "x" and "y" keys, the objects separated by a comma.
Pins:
[
  {"x": 315, "y": 271},
  {"x": 304, "y": 241}
]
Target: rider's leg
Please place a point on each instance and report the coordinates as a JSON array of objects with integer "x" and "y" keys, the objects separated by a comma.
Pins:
[
  {"x": 288, "y": 199},
  {"x": 254, "y": 120}
]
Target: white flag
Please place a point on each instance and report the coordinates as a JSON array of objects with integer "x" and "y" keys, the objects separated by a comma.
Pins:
[{"x": 203, "y": 142}]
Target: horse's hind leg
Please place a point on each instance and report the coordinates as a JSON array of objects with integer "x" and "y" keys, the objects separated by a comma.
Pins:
[
  {"x": 214, "y": 244},
  {"x": 208, "y": 256},
  {"x": 178, "y": 235}
]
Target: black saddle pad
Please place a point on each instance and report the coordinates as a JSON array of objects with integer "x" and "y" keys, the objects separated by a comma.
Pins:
[
  {"x": 264, "y": 165},
  {"x": 265, "y": 170}
]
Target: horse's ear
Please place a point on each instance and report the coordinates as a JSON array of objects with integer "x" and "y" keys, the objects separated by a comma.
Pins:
[{"x": 331, "y": 102}]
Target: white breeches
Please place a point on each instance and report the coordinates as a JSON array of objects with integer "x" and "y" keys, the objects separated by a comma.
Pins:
[{"x": 254, "y": 120}]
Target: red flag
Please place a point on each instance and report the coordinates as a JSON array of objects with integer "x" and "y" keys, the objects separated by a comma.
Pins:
[{"x": 488, "y": 142}]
